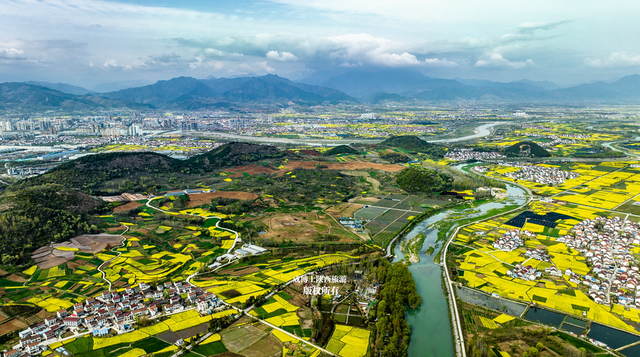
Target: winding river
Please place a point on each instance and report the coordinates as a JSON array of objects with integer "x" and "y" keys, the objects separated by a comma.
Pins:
[
  {"x": 481, "y": 131},
  {"x": 430, "y": 324}
]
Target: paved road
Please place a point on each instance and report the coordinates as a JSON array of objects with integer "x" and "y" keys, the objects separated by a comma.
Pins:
[
  {"x": 104, "y": 275},
  {"x": 453, "y": 305},
  {"x": 246, "y": 311}
]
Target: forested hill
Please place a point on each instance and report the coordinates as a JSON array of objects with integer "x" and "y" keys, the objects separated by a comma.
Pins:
[
  {"x": 114, "y": 173},
  {"x": 234, "y": 154},
  {"x": 110, "y": 173},
  {"x": 341, "y": 149},
  {"x": 34, "y": 216},
  {"x": 415, "y": 144},
  {"x": 526, "y": 149}
]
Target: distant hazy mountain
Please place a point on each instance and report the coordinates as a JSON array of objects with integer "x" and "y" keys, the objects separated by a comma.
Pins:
[
  {"x": 521, "y": 84},
  {"x": 119, "y": 85},
  {"x": 22, "y": 97},
  {"x": 546, "y": 85},
  {"x": 374, "y": 87},
  {"x": 163, "y": 92},
  {"x": 191, "y": 93},
  {"x": 4, "y": 77},
  {"x": 401, "y": 85},
  {"x": 62, "y": 87},
  {"x": 361, "y": 83},
  {"x": 384, "y": 97},
  {"x": 624, "y": 90}
]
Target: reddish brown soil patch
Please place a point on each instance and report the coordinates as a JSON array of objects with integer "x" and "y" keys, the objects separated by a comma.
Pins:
[
  {"x": 240, "y": 272},
  {"x": 11, "y": 326},
  {"x": 73, "y": 265},
  {"x": 2, "y": 272},
  {"x": 114, "y": 229},
  {"x": 17, "y": 279},
  {"x": 43, "y": 314},
  {"x": 250, "y": 169},
  {"x": 126, "y": 207},
  {"x": 200, "y": 199},
  {"x": 356, "y": 165}
]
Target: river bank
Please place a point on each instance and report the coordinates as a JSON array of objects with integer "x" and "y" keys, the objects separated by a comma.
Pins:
[{"x": 434, "y": 313}]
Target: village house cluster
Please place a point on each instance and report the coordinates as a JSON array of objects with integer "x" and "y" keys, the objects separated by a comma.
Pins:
[
  {"x": 115, "y": 310},
  {"x": 537, "y": 254},
  {"x": 557, "y": 141},
  {"x": 540, "y": 174},
  {"x": 524, "y": 272},
  {"x": 470, "y": 154},
  {"x": 607, "y": 243},
  {"x": 512, "y": 239}
]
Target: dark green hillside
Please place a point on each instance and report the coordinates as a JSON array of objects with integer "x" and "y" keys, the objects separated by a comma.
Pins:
[
  {"x": 34, "y": 216},
  {"x": 234, "y": 154},
  {"x": 420, "y": 180},
  {"x": 303, "y": 187},
  {"x": 341, "y": 149},
  {"x": 526, "y": 149},
  {"x": 395, "y": 158},
  {"x": 25, "y": 98},
  {"x": 113, "y": 173},
  {"x": 415, "y": 144}
]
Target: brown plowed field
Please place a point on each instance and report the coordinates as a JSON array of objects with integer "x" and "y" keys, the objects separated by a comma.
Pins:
[
  {"x": 250, "y": 169},
  {"x": 11, "y": 326},
  {"x": 126, "y": 207},
  {"x": 200, "y": 199}
]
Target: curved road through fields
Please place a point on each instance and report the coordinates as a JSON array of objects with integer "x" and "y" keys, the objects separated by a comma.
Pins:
[
  {"x": 246, "y": 311},
  {"x": 124, "y": 239}
]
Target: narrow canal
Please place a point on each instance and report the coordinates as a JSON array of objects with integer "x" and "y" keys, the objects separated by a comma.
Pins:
[{"x": 430, "y": 325}]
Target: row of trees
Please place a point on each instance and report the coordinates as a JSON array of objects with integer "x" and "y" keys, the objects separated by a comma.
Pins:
[
  {"x": 415, "y": 180},
  {"x": 398, "y": 294}
]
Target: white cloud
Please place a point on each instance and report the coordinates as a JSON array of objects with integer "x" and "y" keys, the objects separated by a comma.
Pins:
[
  {"x": 110, "y": 63},
  {"x": 281, "y": 56},
  {"x": 616, "y": 59},
  {"x": 304, "y": 36},
  {"x": 496, "y": 60},
  {"x": 11, "y": 54},
  {"x": 212, "y": 52},
  {"x": 530, "y": 27},
  {"x": 394, "y": 59},
  {"x": 350, "y": 65},
  {"x": 437, "y": 62},
  {"x": 113, "y": 65}
]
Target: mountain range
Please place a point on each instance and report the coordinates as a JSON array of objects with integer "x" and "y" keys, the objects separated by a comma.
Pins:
[
  {"x": 368, "y": 86},
  {"x": 182, "y": 93},
  {"x": 401, "y": 85}
]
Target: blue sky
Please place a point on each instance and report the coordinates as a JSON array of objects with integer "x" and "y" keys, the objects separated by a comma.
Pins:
[{"x": 87, "y": 42}]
